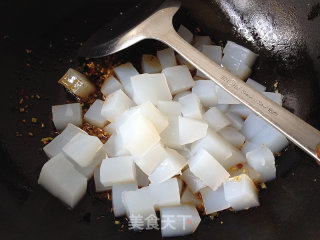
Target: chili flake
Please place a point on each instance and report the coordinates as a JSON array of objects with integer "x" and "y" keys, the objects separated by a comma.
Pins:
[{"x": 30, "y": 134}]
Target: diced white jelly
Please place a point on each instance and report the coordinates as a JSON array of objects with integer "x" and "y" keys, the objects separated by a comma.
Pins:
[
  {"x": 185, "y": 151},
  {"x": 252, "y": 126},
  {"x": 138, "y": 135},
  {"x": 168, "y": 168},
  {"x": 124, "y": 72},
  {"x": 275, "y": 97},
  {"x": 224, "y": 107},
  {"x": 225, "y": 97},
  {"x": 214, "y": 201},
  {"x": 191, "y": 130},
  {"x": 139, "y": 203},
  {"x": 226, "y": 154},
  {"x": 114, "y": 146},
  {"x": 236, "y": 120},
  {"x": 192, "y": 181},
  {"x": 262, "y": 160},
  {"x": 240, "y": 53},
  {"x": 272, "y": 138},
  {"x": 169, "y": 108},
  {"x": 208, "y": 169},
  {"x": 82, "y": 148},
  {"x": 55, "y": 146},
  {"x": 213, "y": 52},
  {"x": 183, "y": 220},
  {"x": 179, "y": 78},
  {"x": 200, "y": 75},
  {"x": 167, "y": 58},
  {"x": 182, "y": 61},
  {"x": 206, "y": 92},
  {"x": 115, "y": 104},
  {"x": 151, "y": 113},
  {"x": 93, "y": 115},
  {"x": 238, "y": 68},
  {"x": 110, "y": 85},
  {"x": 165, "y": 194},
  {"x": 216, "y": 119},
  {"x": 112, "y": 127},
  {"x": 185, "y": 33},
  {"x": 77, "y": 83},
  {"x": 117, "y": 170},
  {"x": 248, "y": 146},
  {"x": 98, "y": 185},
  {"x": 67, "y": 113},
  {"x": 62, "y": 180},
  {"x": 170, "y": 136},
  {"x": 191, "y": 106},
  {"x": 150, "y": 64},
  {"x": 199, "y": 41},
  {"x": 150, "y": 87},
  {"x": 215, "y": 145},
  {"x": 188, "y": 197},
  {"x": 180, "y": 95},
  {"x": 240, "y": 109},
  {"x": 245, "y": 169},
  {"x": 117, "y": 190},
  {"x": 142, "y": 178},
  {"x": 89, "y": 171},
  {"x": 153, "y": 157},
  {"x": 254, "y": 84},
  {"x": 233, "y": 136},
  {"x": 241, "y": 193}
]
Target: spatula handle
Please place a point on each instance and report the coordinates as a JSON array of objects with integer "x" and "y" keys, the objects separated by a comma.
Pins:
[{"x": 295, "y": 129}]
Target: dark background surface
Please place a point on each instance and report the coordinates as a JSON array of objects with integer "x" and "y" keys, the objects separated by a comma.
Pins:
[{"x": 286, "y": 35}]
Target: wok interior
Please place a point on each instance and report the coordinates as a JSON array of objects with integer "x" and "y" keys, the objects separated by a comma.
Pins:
[{"x": 290, "y": 204}]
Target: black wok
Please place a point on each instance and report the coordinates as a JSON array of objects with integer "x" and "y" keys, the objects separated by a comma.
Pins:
[{"x": 286, "y": 34}]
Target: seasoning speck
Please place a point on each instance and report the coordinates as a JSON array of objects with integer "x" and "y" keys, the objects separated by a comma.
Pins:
[
  {"x": 42, "y": 125},
  {"x": 21, "y": 110},
  {"x": 116, "y": 222},
  {"x": 34, "y": 120},
  {"x": 30, "y": 134},
  {"x": 28, "y": 51},
  {"x": 263, "y": 185}
]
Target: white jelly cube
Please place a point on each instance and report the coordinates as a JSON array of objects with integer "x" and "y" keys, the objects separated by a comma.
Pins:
[
  {"x": 216, "y": 119},
  {"x": 82, "y": 148},
  {"x": 124, "y": 72},
  {"x": 183, "y": 219},
  {"x": 67, "y": 113},
  {"x": 165, "y": 194},
  {"x": 188, "y": 197},
  {"x": 115, "y": 104},
  {"x": 169, "y": 108},
  {"x": 233, "y": 136},
  {"x": 138, "y": 135},
  {"x": 252, "y": 126},
  {"x": 114, "y": 146},
  {"x": 117, "y": 170},
  {"x": 110, "y": 85},
  {"x": 241, "y": 193},
  {"x": 208, "y": 169},
  {"x": 168, "y": 168},
  {"x": 192, "y": 181},
  {"x": 139, "y": 208},
  {"x": 191, "y": 130},
  {"x": 167, "y": 58},
  {"x": 262, "y": 160},
  {"x": 206, "y": 92},
  {"x": 150, "y": 64},
  {"x": 93, "y": 115},
  {"x": 170, "y": 136},
  {"x": 117, "y": 190},
  {"x": 191, "y": 106},
  {"x": 199, "y": 41},
  {"x": 150, "y": 87},
  {"x": 62, "y": 180},
  {"x": 97, "y": 182},
  {"x": 185, "y": 33},
  {"x": 224, "y": 97},
  {"x": 142, "y": 178},
  {"x": 214, "y": 200},
  {"x": 179, "y": 78},
  {"x": 259, "y": 87},
  {"x": 55, "y": 146},
  {"x": 213, "y": 52}
]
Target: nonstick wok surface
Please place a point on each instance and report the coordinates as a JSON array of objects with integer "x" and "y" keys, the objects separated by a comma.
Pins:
[{"x": 286, "y": 35}]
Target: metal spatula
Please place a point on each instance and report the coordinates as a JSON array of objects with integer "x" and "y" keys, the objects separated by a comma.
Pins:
[{"x": 159, "y": 26}]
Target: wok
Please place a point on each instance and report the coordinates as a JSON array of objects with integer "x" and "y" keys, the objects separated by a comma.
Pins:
[{"x": 286, "y": 34}]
